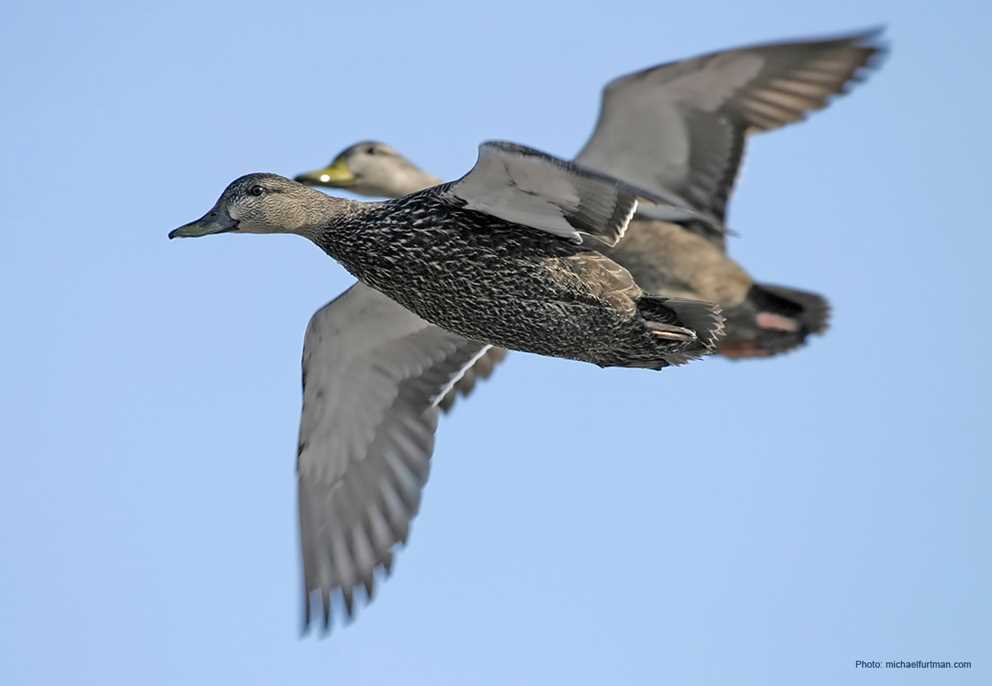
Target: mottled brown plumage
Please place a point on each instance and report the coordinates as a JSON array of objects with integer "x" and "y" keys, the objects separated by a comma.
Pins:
[{"x": 498, "y": 282}]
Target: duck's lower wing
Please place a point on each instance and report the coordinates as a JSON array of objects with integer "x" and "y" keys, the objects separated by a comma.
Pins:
[{"x": 374, "y": 375}]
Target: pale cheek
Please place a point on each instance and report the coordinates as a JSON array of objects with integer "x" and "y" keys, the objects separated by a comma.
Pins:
[{"x": 249, "y": 224}]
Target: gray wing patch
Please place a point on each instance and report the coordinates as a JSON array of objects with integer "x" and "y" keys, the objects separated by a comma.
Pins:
[
  {"x": 373, "y": 375},
  {"x": 527, "y": 187},
  {"x": 533, "y": 189}
]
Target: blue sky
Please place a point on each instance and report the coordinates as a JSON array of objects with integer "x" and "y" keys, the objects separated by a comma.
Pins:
[{"x": 748, "y": 523}]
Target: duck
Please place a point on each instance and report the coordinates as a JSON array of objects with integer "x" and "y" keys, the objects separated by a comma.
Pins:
[
  {"x": 683, "y": 127},
  {"x": 508, "y": 256},
  {"x": 505, "y": 255}
]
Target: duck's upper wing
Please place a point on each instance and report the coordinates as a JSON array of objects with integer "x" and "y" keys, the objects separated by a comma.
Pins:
[
  {"x": 680, "y": 127},
  {"x": 528, "y": 187},
  {"x": 373, "y": 376}
]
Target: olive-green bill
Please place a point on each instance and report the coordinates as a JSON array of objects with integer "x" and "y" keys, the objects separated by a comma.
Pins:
[
  {"x": 335, "y": 175},
  {"x": 214, "y": 221}
]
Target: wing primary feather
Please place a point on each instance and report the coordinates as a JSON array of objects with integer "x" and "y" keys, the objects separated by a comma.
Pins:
[{"x": 678, "y": 128}]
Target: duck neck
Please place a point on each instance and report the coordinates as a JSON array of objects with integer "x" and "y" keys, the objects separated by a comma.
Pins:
[
  {"x": 342, "y": 229},
  {"x": 325, "y": 213},
  {"x": 394, "y": 179},
  {"x": 412, "y": 179}
]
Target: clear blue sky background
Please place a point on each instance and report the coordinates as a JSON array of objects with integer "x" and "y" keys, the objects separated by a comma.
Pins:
[{"x": 726, "y": 523}]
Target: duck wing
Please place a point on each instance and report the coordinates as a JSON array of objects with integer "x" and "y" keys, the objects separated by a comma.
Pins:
[
  {"x": 680, "y": 127},
  {"x": 528, "y": 187},
  {"x": 373, "y": 376}
]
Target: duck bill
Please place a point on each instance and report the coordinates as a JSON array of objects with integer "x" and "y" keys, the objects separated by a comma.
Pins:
[
  {"x": 336, "y": 175},
  {"x": 214, "y": 221}
]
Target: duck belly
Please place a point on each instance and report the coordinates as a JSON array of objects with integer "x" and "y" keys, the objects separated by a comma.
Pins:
[{"x": 515, "y": 288}]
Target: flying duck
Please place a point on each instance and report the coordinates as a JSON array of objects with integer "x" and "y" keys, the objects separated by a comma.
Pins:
[
  {"x": 681, "y": 127},
  {"x": 507, "y": 255}
]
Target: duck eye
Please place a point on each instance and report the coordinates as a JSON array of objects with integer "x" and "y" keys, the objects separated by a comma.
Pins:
[
  {"x": 256, "y": 191},
  {"x": 371, "y": 151}
]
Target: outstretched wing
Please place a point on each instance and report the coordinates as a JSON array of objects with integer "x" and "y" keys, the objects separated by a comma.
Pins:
[
  {"x": 680, "y": 127},
  {"x": 528, "y": 187},
  {"x": 373, "y": 376}
]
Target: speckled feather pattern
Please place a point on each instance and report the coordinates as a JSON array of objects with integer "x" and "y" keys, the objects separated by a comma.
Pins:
[{"x": 498, "y": 282}]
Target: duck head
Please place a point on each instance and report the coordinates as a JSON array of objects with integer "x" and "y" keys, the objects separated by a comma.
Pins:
[
  {"x": 262, "y": 203},
  {"x": 373, "y": 169}
]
